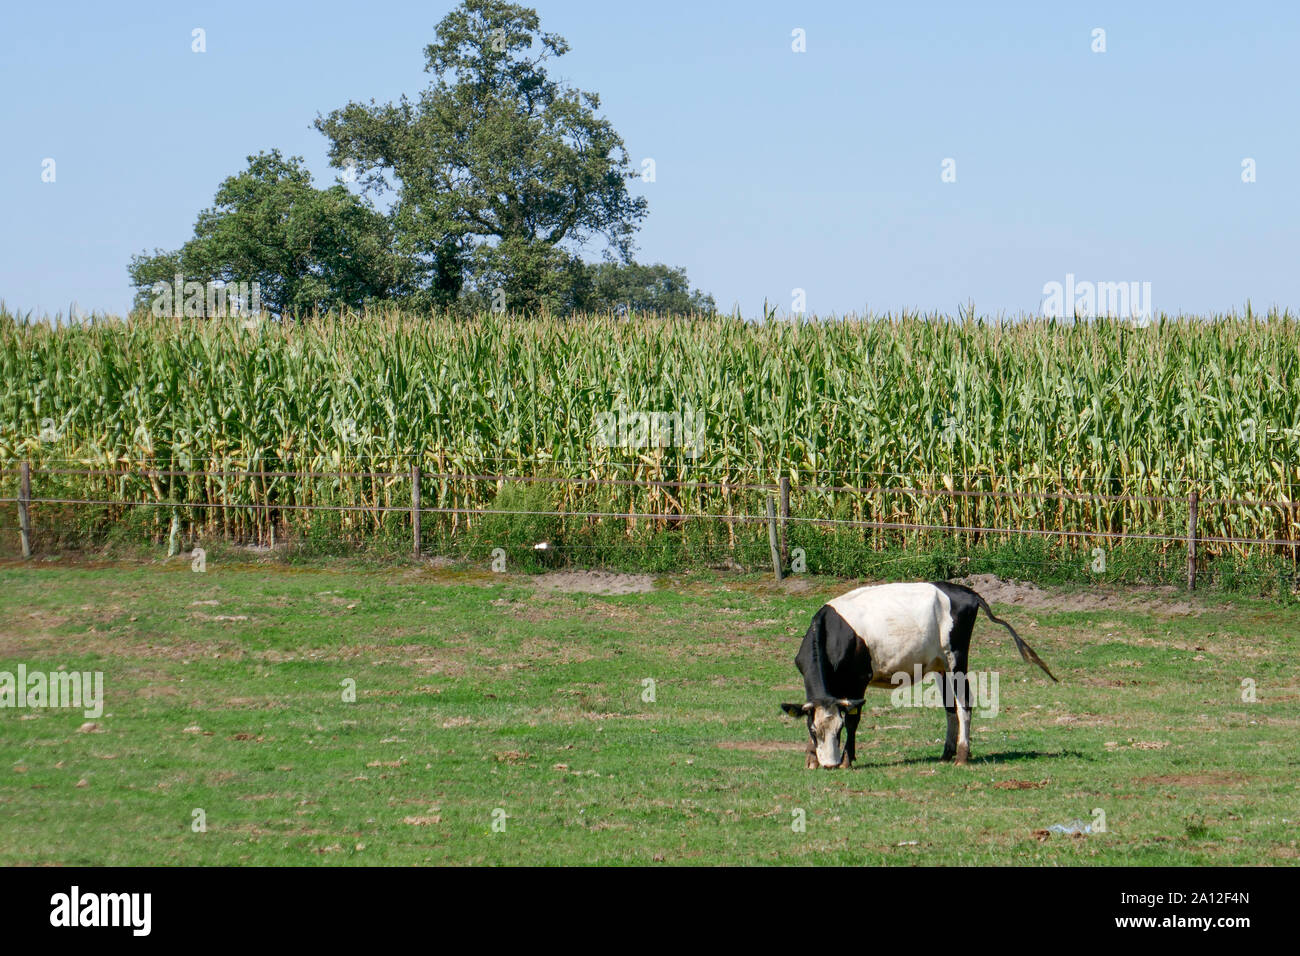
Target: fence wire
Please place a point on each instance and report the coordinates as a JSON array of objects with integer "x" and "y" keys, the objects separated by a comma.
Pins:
[{"x": 446, "y": 492}]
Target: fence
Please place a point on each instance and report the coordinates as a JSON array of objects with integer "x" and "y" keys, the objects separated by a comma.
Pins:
[{"x": 777, "y": 515}]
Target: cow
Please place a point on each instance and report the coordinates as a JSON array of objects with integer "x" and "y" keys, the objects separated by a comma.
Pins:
[{"x": 868, "y": 636}]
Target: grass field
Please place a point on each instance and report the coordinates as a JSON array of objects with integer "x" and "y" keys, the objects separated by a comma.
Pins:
[{"x": 478, "y": 693}]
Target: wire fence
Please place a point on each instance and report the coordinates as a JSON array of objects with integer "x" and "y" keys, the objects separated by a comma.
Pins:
[{"x": 234, "y": 502}]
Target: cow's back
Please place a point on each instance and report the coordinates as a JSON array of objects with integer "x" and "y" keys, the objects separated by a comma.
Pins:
[{"x": 902, "y": 625}]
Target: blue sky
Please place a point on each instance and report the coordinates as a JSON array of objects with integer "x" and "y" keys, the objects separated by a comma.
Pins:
[{"x": 775, "y": 170}]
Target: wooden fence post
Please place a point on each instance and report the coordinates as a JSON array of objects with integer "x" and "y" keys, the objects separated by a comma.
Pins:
[
  {"x": 25, "y": 508},
  {"x": 415, "y": 508},
  {"x": 785, "y": 519},
  {"x": 1193, "y": 502},
  {"x": 771, "y": 537}
]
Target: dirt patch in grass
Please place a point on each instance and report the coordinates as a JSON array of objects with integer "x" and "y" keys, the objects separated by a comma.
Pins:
[
  {"x": 550, "y": 605},
  {"x": 595, "y": 582},
  {"x": 796, "y": 584},
  {"x": 1106, "y": 682},
  {"x": 1087, "y": 720},
  {"x": 155, "y": 691},
  {"x": 1226, "y": 648},
  {"x": 739, "y": 645},
  {"x": 1214, "y": 778},
  {"x": 539, "y": 650},
  {"x": 450, "y": 661},
  {"x": 762, "y": 746},
  {"x": 438, "y": 570},
  {"x": 114, "y": 648},
  {"x": 995, "y": 590},
  {"x": 512, "y": 756}
]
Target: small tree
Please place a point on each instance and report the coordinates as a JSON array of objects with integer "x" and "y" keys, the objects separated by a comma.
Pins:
[
  {"x": 307, "y": 248},
  {"x": 630, "y": 287}
]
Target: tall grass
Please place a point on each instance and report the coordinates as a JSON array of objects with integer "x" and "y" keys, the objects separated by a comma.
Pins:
[{"x": 1025, "y": 406}]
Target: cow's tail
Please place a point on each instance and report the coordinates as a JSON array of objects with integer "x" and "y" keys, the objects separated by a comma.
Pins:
[{"x": 1026, "y": 652}]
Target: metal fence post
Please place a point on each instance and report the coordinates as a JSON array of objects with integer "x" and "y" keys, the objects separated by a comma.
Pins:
[
  {"x": 25, "y": 508},
  {"x": 771, "y": 537},
  {"x": 1193, "y": 502},
  {"x": 785, "y": 520},
  {"x": 415, "y": 509}
]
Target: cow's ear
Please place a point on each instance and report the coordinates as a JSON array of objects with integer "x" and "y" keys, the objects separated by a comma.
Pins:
[
  {"x": 796, "y": 710},
  {"x": 852, "y": 705}
]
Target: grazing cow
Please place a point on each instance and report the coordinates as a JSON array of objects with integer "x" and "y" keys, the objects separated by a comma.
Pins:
[{"x": 867, "y": 636}]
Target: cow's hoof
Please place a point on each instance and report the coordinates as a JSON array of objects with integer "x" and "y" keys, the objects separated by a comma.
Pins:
[
  {"x": 947, "y": 754},
  {"x": 963, "y": 755},
  {"x": 811, "y": 762},
  {"x": 845, "y": 762}
]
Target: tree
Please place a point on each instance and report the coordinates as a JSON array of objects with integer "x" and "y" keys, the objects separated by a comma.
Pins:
[
  {"x": 630, "y": 287},
  {"x": 307, "y": 248},
  {"x": 499, "y": 173}
]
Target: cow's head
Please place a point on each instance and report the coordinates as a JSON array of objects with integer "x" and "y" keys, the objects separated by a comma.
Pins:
[{"x": 825, "y": 723}]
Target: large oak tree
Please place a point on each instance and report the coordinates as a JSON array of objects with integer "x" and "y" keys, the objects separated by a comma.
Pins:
[{"x": 498, "y": 173}]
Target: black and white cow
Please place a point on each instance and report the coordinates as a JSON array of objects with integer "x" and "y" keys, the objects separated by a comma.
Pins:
[{"x": 865, "y": 637}]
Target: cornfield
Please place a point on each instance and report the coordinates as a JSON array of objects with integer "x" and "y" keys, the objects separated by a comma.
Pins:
[{"x": 1027, "y": 406}]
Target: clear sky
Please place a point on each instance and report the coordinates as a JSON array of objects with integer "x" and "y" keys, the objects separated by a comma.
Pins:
[{"x": 775, "y": 170}]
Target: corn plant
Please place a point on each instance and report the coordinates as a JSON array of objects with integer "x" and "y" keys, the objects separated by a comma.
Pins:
[{"x": 890, "y": 403}]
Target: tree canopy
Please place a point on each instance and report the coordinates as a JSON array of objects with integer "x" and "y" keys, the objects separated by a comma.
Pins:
[
  {"x": 630, "y": 287},
  {"x": 307, "y": 248},
  {"x": 491, "y": 184}
]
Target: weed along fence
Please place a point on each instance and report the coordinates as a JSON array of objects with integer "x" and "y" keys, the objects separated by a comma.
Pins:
[{"x": 942, "y": 522}]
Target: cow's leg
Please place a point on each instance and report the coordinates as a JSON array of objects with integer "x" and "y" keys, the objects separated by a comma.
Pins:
[
  {"x": 811, "y": 762},
  {"x": 963, "y": 698},
  {"x": 949, "y": 705},
  {"x": 958, "y": 660},
  {"x": 958, "y": 692},
  {"x": 850, "y": 741}
]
